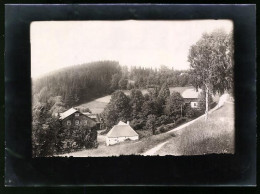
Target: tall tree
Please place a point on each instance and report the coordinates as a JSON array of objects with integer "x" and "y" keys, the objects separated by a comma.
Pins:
[
  {"x": 117, "y": 109},
  {"x": 164, "y": 93},
  {"x": 114, "y": 82},
  {"x": 151, "y": 123},
  {"x": 136, "y": 102},
  {"x": 211, "y": 62},
  {"x": 174, "y": 105},
  {"x": 123, "y": 83},
  {"x": 202, "y": 100}
]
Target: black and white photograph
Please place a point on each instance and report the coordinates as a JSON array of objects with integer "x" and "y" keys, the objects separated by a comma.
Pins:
[
  {"x": 129, "y": 95},
  {"x": 148, "y": 88}
]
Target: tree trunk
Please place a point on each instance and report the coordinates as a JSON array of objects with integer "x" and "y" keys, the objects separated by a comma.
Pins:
[{"x": 207, "y": 103}]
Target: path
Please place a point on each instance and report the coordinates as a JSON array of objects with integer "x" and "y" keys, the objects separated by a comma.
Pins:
[
  {"x": 224, "y": 98},
  {"x": 154, "y": 150}
]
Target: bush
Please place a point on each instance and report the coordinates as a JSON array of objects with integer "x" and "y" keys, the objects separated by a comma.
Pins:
[
  {"x": 213, "y": 104},
  {"x": 170, "y": 126},
  {"x": 151, "y": 123},
  {"x": 138, "y": 123},
  {"x": 144, "y": 133},
  {"x": 193, "y": 113},
  {"x": 181, "y": 120},
  {"x": 162, "y": 120}
]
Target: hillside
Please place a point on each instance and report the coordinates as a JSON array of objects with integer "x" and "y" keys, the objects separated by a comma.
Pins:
[
  {"x": 79, "y": 84},
  {"x": 76, "y": 84},
  {"x": 215, "y": 136}
]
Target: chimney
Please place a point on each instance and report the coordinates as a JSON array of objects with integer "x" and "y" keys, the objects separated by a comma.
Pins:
[{"x": 127, "y": 123}]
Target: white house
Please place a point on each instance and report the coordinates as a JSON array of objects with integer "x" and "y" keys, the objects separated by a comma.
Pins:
[
  {"x": 191, "y": 96},
  {"x": 121, "y": 132}
]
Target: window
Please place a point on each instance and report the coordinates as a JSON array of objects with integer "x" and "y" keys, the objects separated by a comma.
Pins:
[
  {"x": 195, "y": 104},
  {"x": 77, "y": 122},
  {"x": 76, "y": 114},
  {"x": 68, "y": 122}
]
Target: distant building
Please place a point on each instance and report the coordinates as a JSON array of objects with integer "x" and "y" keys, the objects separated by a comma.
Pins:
[
  {"x": 191, "y": 97},
  {"x": 73, "y": 117},
  {"x": 121, "y": 132}
]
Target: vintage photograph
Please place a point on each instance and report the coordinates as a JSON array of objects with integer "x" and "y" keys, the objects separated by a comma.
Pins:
[{"x": 132, "y": 87}]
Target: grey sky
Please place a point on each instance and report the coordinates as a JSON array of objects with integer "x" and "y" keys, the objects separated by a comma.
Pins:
[{"x": 56, "y": 44}]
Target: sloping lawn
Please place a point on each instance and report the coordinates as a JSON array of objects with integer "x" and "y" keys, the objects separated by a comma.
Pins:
[{"x": 217, "y": 135}]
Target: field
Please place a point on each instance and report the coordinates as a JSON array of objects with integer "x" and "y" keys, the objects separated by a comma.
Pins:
[
  {"x": 214, "y": 136},
  {"x": 98, "y": 105}
]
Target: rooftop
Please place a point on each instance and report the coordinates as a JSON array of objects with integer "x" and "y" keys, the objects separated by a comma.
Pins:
[
  {"x": 191, "y": 93},
  {"x": 67, "y": 113},
  {"x": 122, "y": 130}
]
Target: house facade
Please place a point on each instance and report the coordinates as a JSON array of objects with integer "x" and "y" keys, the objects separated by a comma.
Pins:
[
  {"x": 191, "y": 97},
  {"x": 121, "y": 132},
  {"x": 73, "y": 117}
]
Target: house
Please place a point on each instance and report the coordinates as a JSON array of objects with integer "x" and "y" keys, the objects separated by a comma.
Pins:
[
  {"x": 95, "y": 117},
  {"x": 191, "y": 97},
  {"x": 73, "y": 117},
  {"x": 121, "y": 132}
]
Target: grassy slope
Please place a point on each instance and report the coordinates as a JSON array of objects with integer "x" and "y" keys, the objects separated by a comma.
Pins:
[
  {"x": 98, "y": 105},
  {"x": 214, "y": 136},
  {"x": 125, "y": 148}
]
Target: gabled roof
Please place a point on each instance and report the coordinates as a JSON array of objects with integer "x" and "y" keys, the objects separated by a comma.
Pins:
[
  {"x": 121, "y": 123},
  {"x": 67, "y": 113},
  {"x": 70, "y": 112},
  {"x": 191, "y": 93},
  {"x": 122, "y": 130}
]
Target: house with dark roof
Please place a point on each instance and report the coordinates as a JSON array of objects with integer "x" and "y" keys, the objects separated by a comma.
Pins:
[
  {"x": 121, "y": 132},
  {"x": 74, "y": 117},
  {"x": 191, "y": 96}
]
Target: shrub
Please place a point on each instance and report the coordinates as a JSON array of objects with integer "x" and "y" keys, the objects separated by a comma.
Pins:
[
  {"x": 213, "y": 104},
  {"x": 138, "y": 123},
  {"x": 162, "y": 120},
  {"x": 170, "y": 126},
  {"x": 181, "y": 120},
  {"x": 151, "y": 123}
]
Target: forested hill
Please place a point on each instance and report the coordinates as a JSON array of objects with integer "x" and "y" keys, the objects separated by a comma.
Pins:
[{"x": 77, "y": 84}]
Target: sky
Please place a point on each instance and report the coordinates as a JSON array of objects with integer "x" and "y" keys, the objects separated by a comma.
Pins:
[{"x": 57, "y": 44}]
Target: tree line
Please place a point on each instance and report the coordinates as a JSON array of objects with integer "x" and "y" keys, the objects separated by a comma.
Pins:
[{"x": 147, "y": 112}]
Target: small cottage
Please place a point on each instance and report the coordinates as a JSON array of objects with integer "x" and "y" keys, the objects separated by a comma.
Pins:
[
  {"x": 121, "y": 132},
  {"x": 73, "y": 117},
  {"x": 191, "y": 97}
]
